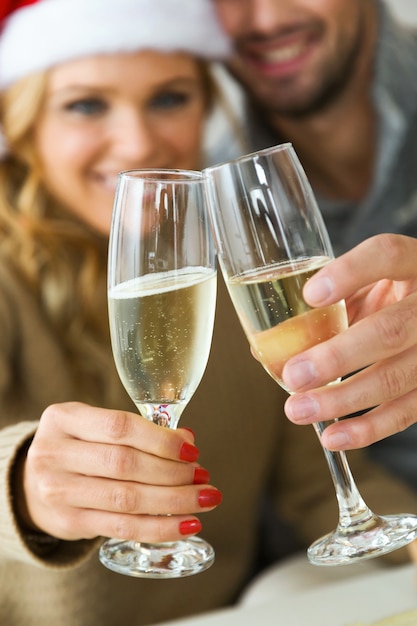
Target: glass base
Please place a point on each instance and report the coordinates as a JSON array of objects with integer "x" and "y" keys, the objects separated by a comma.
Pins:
[
  {"x": 153, "y": 560},
  {"x": 377, "y": 536}
]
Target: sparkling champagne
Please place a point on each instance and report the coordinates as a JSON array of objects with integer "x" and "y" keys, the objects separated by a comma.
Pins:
[
  {"x": 276, "y": 319},
  {"x": 161, "y": 329}
]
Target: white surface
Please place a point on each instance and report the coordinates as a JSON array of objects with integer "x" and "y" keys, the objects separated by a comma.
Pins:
[
  {"x": 296, "y": 575},
  {"x": 364, "y": 597},
  {"x": 405, "y": 9}
]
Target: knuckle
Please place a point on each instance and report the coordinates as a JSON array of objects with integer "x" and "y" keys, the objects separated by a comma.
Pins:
[
  {"x": 181, "y": 474},
  {"x": 396, "y": 380},
  {"x": 335, "y": 359},
  {"x": 36, "y": 457},
  {"x": 66, "y": 524},
  {"x": 150, "y": 529},
  {"x": 361, "y": 430},
  {"x": 49, "y": 490},
  {"x": 403, "y": 418},
  {"x": 159, "y": 532},
  {"x": 124, "y": 499},
  {"x": 119, "y": 460},
  {"x": 48, "y": 486},
  {"x": 125, "y": 528},
  {"x": 53, "y": 414},
  {"x": 371, "y": 427},
  {"x": 176, "y": 503},
  {"x": 50, "y": 412},
  {"x": 392, "y": 331},
  {"x": 118, "y": 425},
  {"x": 345, "y": 401},
  {"x": 393, "y": 382},
  {"x": 50, "y": 419}
]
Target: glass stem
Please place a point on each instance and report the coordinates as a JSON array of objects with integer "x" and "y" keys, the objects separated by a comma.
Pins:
[{"x": 352, "y": 508}]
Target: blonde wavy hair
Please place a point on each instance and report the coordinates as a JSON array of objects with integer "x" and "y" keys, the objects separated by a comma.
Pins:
[{"x": 61, "y": 260}]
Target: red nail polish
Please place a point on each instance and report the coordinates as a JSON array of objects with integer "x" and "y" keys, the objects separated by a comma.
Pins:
[
  {"x": 209, "y": 497},
  {"x": 190, "y": 527},
  {"x": 189, "y": 452},
  {"x": 201, "y": 476},
  {"x": 190, "y": 430}
]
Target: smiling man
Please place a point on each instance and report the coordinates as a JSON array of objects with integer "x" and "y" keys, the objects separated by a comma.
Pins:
[
  {"x": 297, "y": 57},
  {"x": 338, "y": 79},
  {"x": 307, "y": 65}
]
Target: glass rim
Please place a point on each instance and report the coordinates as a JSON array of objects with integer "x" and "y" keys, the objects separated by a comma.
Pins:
[
  {"x": 280, "y": 147},
  {"x": 150, "y": 174}
]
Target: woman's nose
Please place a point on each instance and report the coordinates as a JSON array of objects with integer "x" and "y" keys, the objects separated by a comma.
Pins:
[{"x": 135, "y": 139}]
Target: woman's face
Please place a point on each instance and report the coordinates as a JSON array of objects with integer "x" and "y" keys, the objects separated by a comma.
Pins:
[{"x": 106, "y": 114}]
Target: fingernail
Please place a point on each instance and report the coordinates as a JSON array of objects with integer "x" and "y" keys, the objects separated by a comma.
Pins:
[
  {"x": 301, "y": 408},
  {"x": 299, "y": 373},
  {"x": 190, "y": 430},
  {"x": 188, "y": 452},
  {"x": 209, "y": 497},
  {"x": 338, "y": 441},
  {"x": 319, "y": 290},
  {"x": 201, "y": 476},
  {"x": 190, "y": 527}
]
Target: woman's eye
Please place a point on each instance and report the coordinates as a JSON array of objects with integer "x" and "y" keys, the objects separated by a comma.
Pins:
[
  {"x": 87, "y": 106},
  {"x": 170, "y": 100}
]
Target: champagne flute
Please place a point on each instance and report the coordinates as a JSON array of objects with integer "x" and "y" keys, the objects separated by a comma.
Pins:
[
  {"x": 271, "y": 239},
  {"x": 161, "y": 296}
]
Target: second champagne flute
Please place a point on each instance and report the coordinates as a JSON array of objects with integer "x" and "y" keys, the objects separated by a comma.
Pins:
[
  {"x": 162, "y": 296},
  {"x": 271, "y": 239}
]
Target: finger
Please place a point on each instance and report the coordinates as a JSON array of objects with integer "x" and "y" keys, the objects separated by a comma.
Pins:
[
  {"x": 391, "y": 256},
  {"x": 377, "y": 424},
  {"x": 127, "y": 497},
  {"x": 375, "y": 385},
  {"x": 126, "y": 510},
  {"x": 143, "y": 528},
  {"x": 93, "y": 424},
  {"x": 379, "y": 336},
  {"x": 113, "y": 461}
]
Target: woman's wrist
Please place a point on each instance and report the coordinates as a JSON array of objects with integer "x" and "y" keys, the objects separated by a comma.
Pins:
[{"x": 34, "y": 537}]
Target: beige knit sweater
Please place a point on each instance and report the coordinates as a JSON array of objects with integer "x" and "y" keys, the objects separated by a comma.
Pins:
[{"x": 245, "y": 441}]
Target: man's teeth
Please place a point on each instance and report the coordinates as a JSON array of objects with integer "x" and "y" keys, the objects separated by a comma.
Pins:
[{"x": 283, "y": 54}]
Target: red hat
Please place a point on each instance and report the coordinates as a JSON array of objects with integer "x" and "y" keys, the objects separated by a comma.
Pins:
[
  {"x": 38, "y": 34},
  {"x": 9, "y": 6}
]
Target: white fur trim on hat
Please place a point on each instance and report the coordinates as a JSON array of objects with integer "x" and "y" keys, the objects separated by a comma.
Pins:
[{"x": 49, "y": 32}]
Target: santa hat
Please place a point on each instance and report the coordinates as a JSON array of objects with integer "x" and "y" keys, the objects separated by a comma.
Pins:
[{"x": 38, "y": 34}]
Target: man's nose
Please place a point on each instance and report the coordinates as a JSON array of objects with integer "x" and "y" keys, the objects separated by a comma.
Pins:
[{"x": 266, "y": 15}]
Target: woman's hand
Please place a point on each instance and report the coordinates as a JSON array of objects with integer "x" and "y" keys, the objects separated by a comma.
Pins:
[
  {"x": 93, "y": 472},
  {"x": 378, "y": 280}
]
